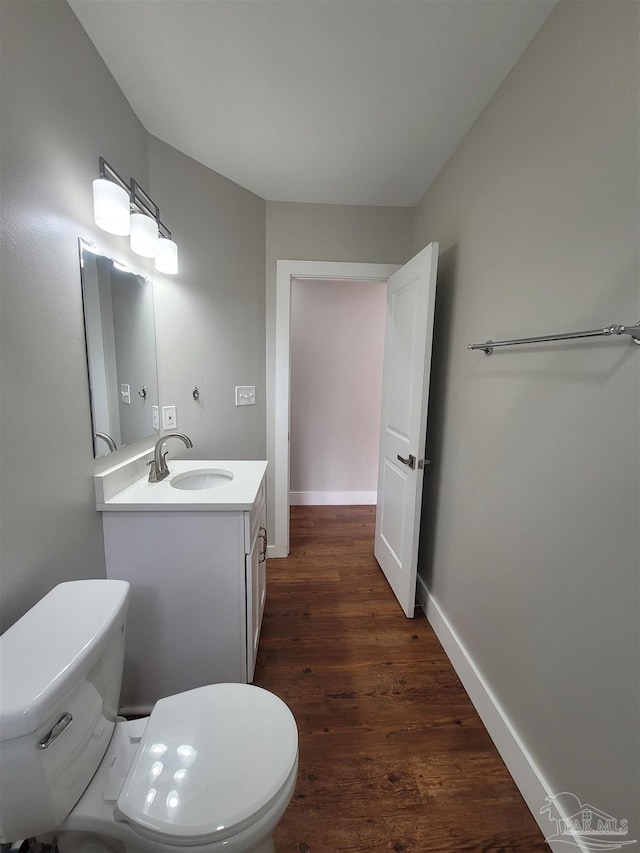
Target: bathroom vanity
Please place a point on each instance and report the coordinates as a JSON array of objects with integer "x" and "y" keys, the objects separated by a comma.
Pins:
[{"x": 193, "y": 548}]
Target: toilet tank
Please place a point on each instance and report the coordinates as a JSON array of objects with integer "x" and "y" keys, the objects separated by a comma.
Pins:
[{"x": 60, "y": 677}]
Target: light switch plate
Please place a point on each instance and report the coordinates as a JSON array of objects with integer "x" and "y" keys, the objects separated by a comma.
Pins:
[
  {"x": 156, "y": 418},
  {"x": 125, "y": 395},
  {"x": 169, "y": 417},
  {"x": 245, "y": 395}
]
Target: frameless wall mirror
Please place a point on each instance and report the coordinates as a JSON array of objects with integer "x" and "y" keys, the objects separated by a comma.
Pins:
[{"x": 121, "y": 351}]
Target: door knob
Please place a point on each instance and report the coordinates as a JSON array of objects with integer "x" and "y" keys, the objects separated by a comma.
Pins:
[{"x": 410, "y": 462}]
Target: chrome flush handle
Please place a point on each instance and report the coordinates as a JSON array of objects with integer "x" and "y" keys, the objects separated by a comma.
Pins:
[{"x": 63, "y": 723}]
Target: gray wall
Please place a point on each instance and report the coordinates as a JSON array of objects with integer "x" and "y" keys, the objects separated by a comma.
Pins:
[
  {"x": 210, "y": 317},
  {"x": 530, "y": 540},
  {"x": 59, "y": 110},
  {"x": 325, "y": 232}
]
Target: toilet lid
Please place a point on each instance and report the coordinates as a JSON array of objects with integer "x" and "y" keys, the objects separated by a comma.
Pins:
[{"x": 210, "y": 761}]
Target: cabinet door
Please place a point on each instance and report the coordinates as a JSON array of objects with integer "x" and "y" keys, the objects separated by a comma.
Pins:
[
  {"x": 262, "y": 563},
  {"x": 256, "y": 586}
]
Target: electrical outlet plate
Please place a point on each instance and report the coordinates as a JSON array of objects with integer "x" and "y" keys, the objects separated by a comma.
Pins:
[
  {"x": 245, "y": 395},
  {"x": 169, "y": 417}
]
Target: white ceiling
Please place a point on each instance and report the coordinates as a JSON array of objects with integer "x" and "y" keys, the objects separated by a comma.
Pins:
[{"x": 331, "y": 101}]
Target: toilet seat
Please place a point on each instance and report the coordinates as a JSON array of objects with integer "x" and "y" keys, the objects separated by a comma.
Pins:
[{"x": 210, "y": 763}]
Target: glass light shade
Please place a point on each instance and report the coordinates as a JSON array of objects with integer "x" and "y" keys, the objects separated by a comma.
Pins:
[
  {"x": 144, "y": 235},
  {"x": 167, "y": 257},
  {"x": 111, "y": 207}
]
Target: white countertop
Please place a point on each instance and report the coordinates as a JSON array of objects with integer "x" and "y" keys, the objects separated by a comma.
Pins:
[{"x": 237, "y": 494}]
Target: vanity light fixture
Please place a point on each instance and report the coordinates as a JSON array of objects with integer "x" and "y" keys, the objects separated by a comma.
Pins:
[
  {"x": 111, "y": 202},
  {"x": 167, "y": 257},
  {"x": 144, "y": 235},
  {"x": 145, "y": 222},
  {"x": 126, "y": 209}
]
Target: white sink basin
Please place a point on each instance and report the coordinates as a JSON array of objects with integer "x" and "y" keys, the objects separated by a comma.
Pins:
[{"x": 203, "y": 478}]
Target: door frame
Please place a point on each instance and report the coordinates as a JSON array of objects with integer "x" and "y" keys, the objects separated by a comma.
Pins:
[{"x": 286, "y": 271}]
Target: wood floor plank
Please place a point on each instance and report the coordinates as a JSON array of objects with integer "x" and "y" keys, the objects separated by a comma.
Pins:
[{"x": 393, "y": 756}]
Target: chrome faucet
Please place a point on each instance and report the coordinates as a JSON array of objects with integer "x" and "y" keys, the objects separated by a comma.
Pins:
[
  {"x": 158, "y": 465},
  {"x": 107, "y": 440}
]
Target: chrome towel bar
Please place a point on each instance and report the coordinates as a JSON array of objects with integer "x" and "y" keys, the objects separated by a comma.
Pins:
[{"x": 607, "y": 331}]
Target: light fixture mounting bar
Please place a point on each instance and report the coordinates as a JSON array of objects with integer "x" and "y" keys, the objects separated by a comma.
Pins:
[
  {"x": 107, "y": 171},
  {"x": 162, "y": 228},
  {"x": 143, "y": 201}
]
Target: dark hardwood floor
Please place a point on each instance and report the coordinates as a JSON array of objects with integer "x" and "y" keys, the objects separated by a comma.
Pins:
[{"x": 393, "y": 756}]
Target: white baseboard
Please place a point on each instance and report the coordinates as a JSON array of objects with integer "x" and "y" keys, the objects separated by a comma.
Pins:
[
  {"x": 273, "y": 552},
  {"x": 332, "y": 498},
  {"x": 527, "y": 776}
]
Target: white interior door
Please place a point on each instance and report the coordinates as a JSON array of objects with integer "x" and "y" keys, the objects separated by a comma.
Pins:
[{"x": 403, "y": 434}]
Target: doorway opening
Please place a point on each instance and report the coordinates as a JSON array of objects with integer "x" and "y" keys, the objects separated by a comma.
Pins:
[
  {"x": 287, "y": 271},
  {"x": 337, "y": 347}
]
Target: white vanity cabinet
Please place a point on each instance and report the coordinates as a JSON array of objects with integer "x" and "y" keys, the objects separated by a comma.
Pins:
[{"x": 198, "y": 588}]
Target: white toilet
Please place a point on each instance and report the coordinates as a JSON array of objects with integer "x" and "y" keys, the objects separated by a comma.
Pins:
[{"x": 210, "y": 770}]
